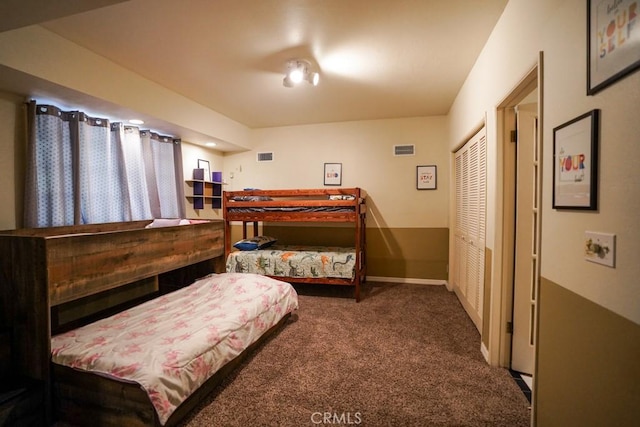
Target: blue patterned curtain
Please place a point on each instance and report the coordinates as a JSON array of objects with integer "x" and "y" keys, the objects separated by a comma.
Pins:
[
  {"x": 103, "y": 196},
  {"x": 135, "y": 184},
  {"x": 161, "y": 159},
  {"x": 83, "y": 170}
]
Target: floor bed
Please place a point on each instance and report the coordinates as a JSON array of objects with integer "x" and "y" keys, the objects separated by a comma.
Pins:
[
  {"x": 168, "y": 348},
  {"x": 45, "y": 270}
]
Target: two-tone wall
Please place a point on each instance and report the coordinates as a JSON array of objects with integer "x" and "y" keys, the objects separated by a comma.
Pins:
[
  {"x": 589, "y": 315},
  {"x": 418, "y": 254},
  {"x": 407, "y": 228},
  {"x": 580, "y": 303}
]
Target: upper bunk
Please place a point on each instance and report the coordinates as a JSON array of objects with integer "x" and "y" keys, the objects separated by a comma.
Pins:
[{"x": 298, "y": 205}]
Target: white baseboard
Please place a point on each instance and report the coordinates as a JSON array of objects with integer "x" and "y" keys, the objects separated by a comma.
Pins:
[
  {"x": 406, "y": 280},
  {"x": 485, "y": 351}
]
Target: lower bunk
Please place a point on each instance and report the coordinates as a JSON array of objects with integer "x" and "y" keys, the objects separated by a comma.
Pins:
[
  {"x": 301, "y": 264},
  {"x": 152, "y": 364}
]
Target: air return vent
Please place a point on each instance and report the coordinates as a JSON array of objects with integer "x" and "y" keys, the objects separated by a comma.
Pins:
[
  {"x": 404, "y": 150},
  {"x": 265, "y": 157}
]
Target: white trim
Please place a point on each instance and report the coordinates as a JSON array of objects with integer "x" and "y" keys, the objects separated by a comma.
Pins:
[
  {"x": 406, "y": 280},
  {"x": 485, "y": 351}
]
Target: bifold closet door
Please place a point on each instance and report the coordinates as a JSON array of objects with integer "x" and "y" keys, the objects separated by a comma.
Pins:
[{"x": 469, "y": 227}]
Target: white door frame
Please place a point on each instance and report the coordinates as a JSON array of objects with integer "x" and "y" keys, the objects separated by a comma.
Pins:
[{"x": 501, "y": 297}]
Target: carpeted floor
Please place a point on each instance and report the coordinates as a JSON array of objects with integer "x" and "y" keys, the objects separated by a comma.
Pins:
[{"x": 406, "y": 355}]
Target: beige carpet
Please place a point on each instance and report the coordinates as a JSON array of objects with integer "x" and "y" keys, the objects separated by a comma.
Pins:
[{"x": 406, "y": 355}]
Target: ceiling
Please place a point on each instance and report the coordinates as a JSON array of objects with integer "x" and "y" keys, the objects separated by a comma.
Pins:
[{"x": 376, "y": 58}]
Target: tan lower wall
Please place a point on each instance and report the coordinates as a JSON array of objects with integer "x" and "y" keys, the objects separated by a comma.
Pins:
[
  {"x": 414, "y": 253},
  {"x": 420, "y": 253},
  {"x": 588, "y": 370}
]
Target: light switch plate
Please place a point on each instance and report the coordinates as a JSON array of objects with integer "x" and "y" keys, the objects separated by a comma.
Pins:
[{"x": 600, "y": 248}]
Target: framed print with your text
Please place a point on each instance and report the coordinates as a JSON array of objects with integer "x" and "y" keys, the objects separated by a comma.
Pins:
[{"x": 575, "y": 163}]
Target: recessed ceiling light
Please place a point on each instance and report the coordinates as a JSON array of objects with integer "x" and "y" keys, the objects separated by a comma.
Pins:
[
  {"x": 210, "y": 144},
  {"x": 136, "y": 121}
]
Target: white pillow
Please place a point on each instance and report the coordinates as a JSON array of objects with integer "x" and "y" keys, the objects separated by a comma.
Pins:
[{"x": 162, "y": 222}]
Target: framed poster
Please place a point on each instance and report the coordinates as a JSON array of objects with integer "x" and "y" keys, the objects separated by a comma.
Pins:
[
  {"x": 575, "y": 163},
  {"x": 427, "y": 177},
  {"x": 613, "y": 41},
  {"x": 333, "y": 174},
  {"x": 204, "y": 164}
]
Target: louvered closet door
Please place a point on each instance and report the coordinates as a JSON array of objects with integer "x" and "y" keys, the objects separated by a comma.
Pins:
[{"x": 469, "y": 228}]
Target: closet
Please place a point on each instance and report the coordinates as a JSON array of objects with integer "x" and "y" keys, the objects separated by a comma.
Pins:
[{"x": 469, "y": 225}]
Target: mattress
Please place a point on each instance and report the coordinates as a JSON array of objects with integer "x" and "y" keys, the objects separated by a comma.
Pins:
[
  {"x": 171, "y": 345},
  {"x": 306, "y": 209},
  {"x": 295, "y": 261}
]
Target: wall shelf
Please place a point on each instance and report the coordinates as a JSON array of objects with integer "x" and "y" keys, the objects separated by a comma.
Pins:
[{"x": 203, "y": 192}]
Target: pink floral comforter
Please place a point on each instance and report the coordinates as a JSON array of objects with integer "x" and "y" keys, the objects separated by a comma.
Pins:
[{"x": 173, "y": 344}]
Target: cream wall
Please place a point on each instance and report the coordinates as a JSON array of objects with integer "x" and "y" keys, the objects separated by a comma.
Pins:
[
  {"x": 90, "y": 77},
  {"x": 558, "y": 28},
  {"x": 510, "y": 53},
  {"x": 365, "y": 149},
  {"x": 619, "y": 190},
  {"x": 11, "y": 155}
]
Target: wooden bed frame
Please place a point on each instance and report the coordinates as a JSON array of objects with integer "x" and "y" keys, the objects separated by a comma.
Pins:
[
  {"x": 309, "y": 198},
  {"x": 88, "y": 399},
  {"x": 40, "y": 269}
]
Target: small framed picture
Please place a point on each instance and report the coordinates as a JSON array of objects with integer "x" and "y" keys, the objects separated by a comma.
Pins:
[
  {"x": 427, "y": 177},
  {"x": 333, "y": 174},
  {"x": 613, "y": 42},
  {"x": 204, "y": 164},
  {"x": 575, "y": 163}
]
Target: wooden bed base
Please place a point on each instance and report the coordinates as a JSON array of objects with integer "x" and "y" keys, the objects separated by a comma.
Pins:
[
  {"x": 82, "y": 398},
  {"x": 309, "y": 198},
  {"x": 43, "y": 268}
]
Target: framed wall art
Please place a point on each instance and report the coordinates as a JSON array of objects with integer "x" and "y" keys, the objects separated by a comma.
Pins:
[
  {"x": 333, "y": 174},
  {"x": 427, "y": 177},
  {"x": 204, "y": 164},
  {"x": 575, "y": 163},
  {"x": 613, "y": 41}
]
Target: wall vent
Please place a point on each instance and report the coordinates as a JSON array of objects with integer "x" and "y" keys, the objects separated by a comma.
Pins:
[
  {"x": 265, "y": 157},
  {"x": 404, "y": 150}
]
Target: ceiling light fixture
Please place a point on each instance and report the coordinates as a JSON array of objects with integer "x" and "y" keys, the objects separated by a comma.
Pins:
[{"x": 299, "y": 70}]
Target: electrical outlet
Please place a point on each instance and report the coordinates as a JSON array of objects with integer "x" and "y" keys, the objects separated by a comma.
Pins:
[{"x": 600, "y": 248}]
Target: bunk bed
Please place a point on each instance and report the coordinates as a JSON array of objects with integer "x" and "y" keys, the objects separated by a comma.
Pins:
[
  {"x": 295, "y": 263},
  {"x": 46, "y": 268}
]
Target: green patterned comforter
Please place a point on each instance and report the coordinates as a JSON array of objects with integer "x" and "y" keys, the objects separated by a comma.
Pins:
[{"x": 295, "y": 261}]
